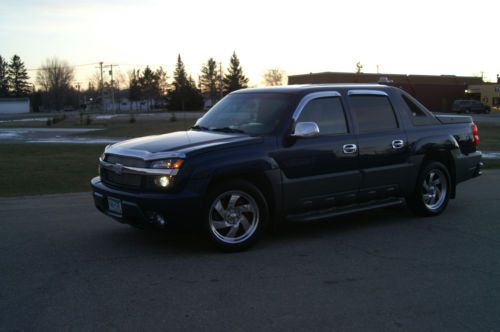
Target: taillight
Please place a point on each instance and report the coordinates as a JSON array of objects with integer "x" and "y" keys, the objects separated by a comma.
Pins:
[{"x": 475, "y": 133}]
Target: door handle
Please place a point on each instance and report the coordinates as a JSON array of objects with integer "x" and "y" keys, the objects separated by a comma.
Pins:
[
  {"x": 350, "y": 148},
  {"x": 398, "y": 144}
]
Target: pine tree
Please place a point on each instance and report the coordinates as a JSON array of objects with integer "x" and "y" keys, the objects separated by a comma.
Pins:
[
  {"x": 184, "y": 95},
  {"x": 18, "y": 77},
  {"x": 234, "y": 78},
  {"x": 149, "y": 86},
  {"x": 209, "y": 79},
  {"x": 4, "y": 78},
  {"x": 134, "y": 91}
]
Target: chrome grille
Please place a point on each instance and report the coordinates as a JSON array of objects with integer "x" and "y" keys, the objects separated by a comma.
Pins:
[{"x": 125, "y": 161}]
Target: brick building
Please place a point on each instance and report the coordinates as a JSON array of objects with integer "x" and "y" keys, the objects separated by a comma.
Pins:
[{"x": 437, "y": 93}]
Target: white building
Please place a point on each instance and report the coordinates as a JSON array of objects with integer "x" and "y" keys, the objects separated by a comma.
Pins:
[{"x": 14, "y": 105}]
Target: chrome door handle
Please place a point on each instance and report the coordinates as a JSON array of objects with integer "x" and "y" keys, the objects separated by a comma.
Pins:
[
  {"x": 350, "y": 148},
  {"x": 398, "y": 144}
]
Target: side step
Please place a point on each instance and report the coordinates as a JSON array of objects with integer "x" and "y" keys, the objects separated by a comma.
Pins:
[{"x": 338, "y": 211}]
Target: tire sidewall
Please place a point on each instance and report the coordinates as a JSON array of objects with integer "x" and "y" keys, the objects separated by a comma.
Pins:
[{"x": 256, "y": 194}]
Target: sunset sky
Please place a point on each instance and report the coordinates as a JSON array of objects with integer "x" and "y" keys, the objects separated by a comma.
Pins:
[{"x": 417, "y": 37}]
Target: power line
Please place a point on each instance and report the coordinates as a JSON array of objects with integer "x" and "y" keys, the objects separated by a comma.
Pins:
[{"x": 79, "y": 65}]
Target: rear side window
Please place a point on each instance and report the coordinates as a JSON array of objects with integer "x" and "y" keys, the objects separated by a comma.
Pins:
[
  {"x": 373, "y": 113},
  {"x": 328, "y": 114},
  {"x": 418, "y": 116}
]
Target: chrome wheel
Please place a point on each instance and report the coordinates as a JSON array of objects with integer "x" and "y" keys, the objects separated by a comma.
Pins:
[
  {"x": 233, "y": 217},
  {"x": 434, "y": 189}
]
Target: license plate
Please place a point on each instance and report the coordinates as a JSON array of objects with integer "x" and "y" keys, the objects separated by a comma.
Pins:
[{"x": 114, "y": 205}]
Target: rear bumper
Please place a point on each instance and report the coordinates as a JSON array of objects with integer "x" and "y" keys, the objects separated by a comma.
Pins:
[
  {"x": 180, "y": 209},
  {"x": 469, "y": 166}
]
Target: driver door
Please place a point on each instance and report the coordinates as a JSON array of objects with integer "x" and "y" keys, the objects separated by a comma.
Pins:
[{"x": 321, "y": 172}]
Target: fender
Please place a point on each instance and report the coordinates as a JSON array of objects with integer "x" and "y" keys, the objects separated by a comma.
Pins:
[
  {"x": 434, "y": 144},
  {"x": 444, "y": 148}
]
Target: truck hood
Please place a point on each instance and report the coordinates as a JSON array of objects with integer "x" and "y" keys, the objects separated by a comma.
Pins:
[{"x": 178, "y": 144}]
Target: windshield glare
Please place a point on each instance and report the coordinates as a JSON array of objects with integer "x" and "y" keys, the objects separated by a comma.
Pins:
[{"x": 253, "y": 114}]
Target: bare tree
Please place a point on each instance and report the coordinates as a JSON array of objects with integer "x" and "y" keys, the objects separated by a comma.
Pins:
[
  {"x": 274, "y": 77},
  {"x": 55, "y": 77}
]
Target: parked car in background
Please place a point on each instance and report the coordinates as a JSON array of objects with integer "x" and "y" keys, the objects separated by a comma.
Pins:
[{"x": 470, "y": 106}]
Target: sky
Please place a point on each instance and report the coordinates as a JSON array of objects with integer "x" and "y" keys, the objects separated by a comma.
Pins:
[{"x": 407, "y": 37}]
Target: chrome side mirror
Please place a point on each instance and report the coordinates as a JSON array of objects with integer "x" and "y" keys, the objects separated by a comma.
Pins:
[{"x": 305, "y": 130}]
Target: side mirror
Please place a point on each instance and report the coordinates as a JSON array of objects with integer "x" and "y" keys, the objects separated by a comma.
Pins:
[{"x": 305, "y": 130}]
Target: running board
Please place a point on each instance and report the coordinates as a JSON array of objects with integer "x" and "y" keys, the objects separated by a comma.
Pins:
[{"x": 333, "y": 212}]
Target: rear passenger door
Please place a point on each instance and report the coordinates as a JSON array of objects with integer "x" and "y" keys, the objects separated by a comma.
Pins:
[{"x": 382, "y": 142}]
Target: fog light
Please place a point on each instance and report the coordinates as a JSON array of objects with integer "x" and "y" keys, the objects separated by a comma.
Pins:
[{"x": 162, "y": 181}]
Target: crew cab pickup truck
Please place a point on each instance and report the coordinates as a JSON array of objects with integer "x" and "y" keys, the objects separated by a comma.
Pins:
[{"x": 264, "y": 157}]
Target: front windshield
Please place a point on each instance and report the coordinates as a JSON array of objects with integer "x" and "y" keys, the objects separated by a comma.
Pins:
[{"x": 249, "y": 113}]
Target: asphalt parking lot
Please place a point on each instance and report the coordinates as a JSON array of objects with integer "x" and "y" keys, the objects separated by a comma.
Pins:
[{"x": 64, "y": 266}]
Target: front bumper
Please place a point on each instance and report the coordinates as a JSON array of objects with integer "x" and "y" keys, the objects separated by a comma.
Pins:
[{"x": 181, "y": 209}]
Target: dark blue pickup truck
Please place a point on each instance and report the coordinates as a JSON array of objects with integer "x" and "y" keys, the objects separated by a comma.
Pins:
[{"x": 262, "y": 157}]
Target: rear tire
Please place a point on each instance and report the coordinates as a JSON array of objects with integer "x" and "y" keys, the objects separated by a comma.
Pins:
[
  {"x": 236, "y": 215},
  {"x": 433, "y": 189}
]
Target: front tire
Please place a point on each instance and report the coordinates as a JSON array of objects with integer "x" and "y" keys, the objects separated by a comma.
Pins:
[
  {"x": 236, "y": 215},
  {"x": 433, "y": 189}
]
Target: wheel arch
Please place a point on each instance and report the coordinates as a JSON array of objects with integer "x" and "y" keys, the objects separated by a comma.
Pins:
[
  {"x": 268, "y": 182},
  {"x": 444, "y": 157}
]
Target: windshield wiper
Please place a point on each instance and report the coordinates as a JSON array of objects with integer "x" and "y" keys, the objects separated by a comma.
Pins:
[
  {"x": 228, "y": 130},
  {"x": 198, "y": 127}
]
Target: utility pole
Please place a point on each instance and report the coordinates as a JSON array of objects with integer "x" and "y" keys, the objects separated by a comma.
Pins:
[
  {"x": 102, "y": 87},
  {"x": 112, "y": 86},
  {"x": 220, "y": 80},
  {"x": 378, "y": 72},
  {"x": 79, "y": 102}
]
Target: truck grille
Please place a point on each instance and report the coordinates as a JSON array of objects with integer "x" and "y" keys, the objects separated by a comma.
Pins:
[
  {"x": 124, "y": 180},
  {"x": 125, "y": 161}
]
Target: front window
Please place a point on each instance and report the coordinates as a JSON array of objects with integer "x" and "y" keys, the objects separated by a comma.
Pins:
[{"x": 249, "y": 113}]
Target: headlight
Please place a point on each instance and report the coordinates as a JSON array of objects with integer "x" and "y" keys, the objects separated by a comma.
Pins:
[{"x": 167, "y": 163}]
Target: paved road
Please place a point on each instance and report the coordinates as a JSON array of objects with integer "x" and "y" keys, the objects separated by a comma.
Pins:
[{"x": 63, "y": 266}]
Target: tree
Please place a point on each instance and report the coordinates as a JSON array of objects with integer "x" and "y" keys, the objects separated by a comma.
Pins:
[
  {"x": 18, "y": 78},
  {"x": 184, "y": 95},
  {"x": 55, "y": 77},
  {"x": 149, "y": 85},
  {"x": 134, "y": 87},
  {"x": 163, "y": 85},
  {"x": 4, "y": 78},
  {"x": 274, "y": 77},
  {"x": 234, "y": 78},
  {"x": 209, "y": 79}
]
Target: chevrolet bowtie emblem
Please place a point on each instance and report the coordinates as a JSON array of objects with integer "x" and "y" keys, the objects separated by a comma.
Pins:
[{"x": 118, "y": 168}]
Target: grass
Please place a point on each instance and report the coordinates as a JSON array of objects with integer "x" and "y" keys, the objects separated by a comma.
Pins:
[
  {"x": 489, "y": 136},
  {"x": 138, "y": 129},
  {"x": 491, "y": 163},
  {"x": 32, "y": 169}
]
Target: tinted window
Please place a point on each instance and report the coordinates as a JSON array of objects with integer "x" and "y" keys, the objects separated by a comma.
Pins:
[
  {"x": 418, "y": 116},
  {"x": 328, "y": 114},
  {"x": 251, "y": 113},
  {"x": 373, "y": 113}
]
